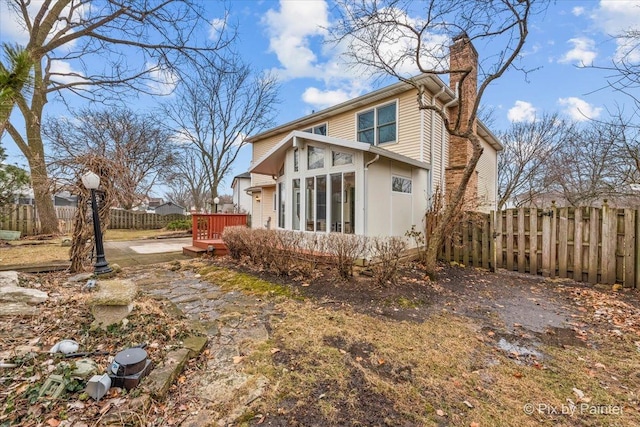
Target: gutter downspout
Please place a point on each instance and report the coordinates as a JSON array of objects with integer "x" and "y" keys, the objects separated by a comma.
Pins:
[
  {"x": 442, "y": 163},
  {"x": 364, "y": 206},
  {"x": 431, "y": 138}
]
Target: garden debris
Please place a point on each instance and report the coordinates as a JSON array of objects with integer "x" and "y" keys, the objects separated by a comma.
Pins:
[{"x": 65, "y": 347}]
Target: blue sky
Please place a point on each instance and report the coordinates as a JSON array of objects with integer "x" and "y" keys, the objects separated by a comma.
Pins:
[{"x": 289, "y": 38}]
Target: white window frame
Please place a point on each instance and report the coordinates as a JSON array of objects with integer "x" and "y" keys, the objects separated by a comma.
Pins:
[
  {"x": 314, "y": 127},
  {"x": 375, "y": 109},
  {"x": 403, "y": 178}
]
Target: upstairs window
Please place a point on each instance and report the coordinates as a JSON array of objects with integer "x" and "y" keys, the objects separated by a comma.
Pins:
[
  {"x": 378, "y": 125},
  {"x": 318, "y": 130}
]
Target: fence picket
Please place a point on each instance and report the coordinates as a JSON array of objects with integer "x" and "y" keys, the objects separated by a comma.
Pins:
[
  {"x": 629, "y": 247},
  {"x": 563, "y": 241},
  {"x": 577, "y": 245},
  {"x": 521, "y": 241},
  {"x": 533, "y": 241}
]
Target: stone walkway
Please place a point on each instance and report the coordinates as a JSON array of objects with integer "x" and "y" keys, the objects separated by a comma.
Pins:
[{"x": 235, "y": 323}]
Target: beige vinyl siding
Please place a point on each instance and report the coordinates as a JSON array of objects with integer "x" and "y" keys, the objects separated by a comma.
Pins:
[
  {"x": 266, "y": 210},
  {"x": 487, "y": 177}
]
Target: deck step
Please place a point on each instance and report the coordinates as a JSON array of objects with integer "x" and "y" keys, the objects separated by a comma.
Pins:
[{"x": 194, "y": 251}]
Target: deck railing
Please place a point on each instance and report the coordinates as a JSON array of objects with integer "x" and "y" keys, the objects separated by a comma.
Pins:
[{"x": 210, "y": 226}]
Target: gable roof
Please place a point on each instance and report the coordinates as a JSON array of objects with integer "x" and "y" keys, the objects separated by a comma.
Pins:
[
  {"x": 271, "y": 161},
  {"x": 431, "y": 81}
]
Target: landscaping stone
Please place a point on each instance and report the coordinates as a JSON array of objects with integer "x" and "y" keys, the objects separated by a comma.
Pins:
[
  {"x": 195, "y": 344},
  {"x": 160, "y": 379},
  {"x": 130, "y": 413},
  {"x": 113, "y": 302},
  {"x": 81, "y": 277},
  {"x": 16, "y": 300}
]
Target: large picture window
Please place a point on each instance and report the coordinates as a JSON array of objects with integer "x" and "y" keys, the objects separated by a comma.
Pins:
[
  {"x": 378, "y": 125},
  {"x": 281, "y": 198}
]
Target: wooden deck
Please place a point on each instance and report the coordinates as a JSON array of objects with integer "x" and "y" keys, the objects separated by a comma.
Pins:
[{"x": 207, "y": 231}]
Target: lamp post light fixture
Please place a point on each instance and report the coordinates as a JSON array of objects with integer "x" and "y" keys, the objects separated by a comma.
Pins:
[
  {"x": 216, "y": 200},
  {"x": 91, "y": 181}
]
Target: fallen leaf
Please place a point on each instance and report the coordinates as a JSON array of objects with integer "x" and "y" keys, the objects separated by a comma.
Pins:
[
  {"x": 474, "y": 424},
  {"x": 237, "y": 359},
  {"x": 578, "y": 393},
  {"x": 518, "y": 374},
  {"x": 440, "y": 413},
  {"x": 469, "y": 405},
  {"x": 491, "y": 333},
  {"x": 599, "y": 365},
  {"x": 275, "y": 350},
  {"x": 53, "y": 422},
  {"x": 358, "y": 359}
]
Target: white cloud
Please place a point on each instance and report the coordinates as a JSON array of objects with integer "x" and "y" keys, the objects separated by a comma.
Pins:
[
  {"x": 291, "y": 30},
  {"x": 577, "y": 11},
  {"x": 324, "y": 98},
  {"x": 579, "y": 109},
  {"x": 163, "y": 81},
  {"x": 522, "y": 111},
  {"x": 63, "y": 72},
  {"x": 217, "y": 25},
  {"x": 615, "y": 17},
  {"x": 12, "y": 26},
  {"x": 583, "y": 52}
]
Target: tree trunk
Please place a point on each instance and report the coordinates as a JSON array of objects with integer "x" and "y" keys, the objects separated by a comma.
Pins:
[{"x": 448, "y": 217}]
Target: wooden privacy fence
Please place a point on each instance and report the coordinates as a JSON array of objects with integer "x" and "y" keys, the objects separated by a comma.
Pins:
[
  {"x": 128, "y": 220},
  {"x": 24, "y": 218},
  {"x": 595, "y": 245}
]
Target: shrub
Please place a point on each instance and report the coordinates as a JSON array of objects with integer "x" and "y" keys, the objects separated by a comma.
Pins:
[
  {"x": 344, "y": 250},
  {"x": 179, "y": 224},
  {"x": 386, "y": 253},
  {"x": 237, "y": 239}
]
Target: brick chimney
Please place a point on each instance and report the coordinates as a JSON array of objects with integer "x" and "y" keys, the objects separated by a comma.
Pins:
[{"x": 462, "y": 56}]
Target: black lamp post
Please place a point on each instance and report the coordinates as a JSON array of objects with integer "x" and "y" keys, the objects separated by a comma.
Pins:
[
  {"x": 216, "y": 200},
  {"x": 92, "y": 181}
]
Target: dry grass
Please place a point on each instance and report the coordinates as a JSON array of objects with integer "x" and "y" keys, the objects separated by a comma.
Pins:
[
  {"x": 344, "y": 366},
  {"x": 21, "y": 254}
]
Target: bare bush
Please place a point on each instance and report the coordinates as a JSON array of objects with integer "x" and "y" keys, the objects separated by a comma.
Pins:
[
  {"x": 311, "y": 248},
  {"x": 287, "y": 245},
  {"x": 238, "y": 241},
  {"x": 386, "y": 260},
  {"x": 344, "y": 250}
]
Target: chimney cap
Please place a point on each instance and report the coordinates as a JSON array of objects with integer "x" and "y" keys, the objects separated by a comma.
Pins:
[{"x": 462, "y": 36}]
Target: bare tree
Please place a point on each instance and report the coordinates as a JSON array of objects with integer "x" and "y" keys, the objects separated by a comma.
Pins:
[
  {"x": 528, "y": 148},
  {"x": 214, "y": 112},
  {"x": 585, "y": 167},
  {"x": 187, "y": 179},
  {"x": 99, "y": 52},
  {"x": 132, "y": 144},
  {"x": 383, "y": 36}
]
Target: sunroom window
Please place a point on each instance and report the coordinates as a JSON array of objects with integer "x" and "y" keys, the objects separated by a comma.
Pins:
[{"x": 315, "y": 157}]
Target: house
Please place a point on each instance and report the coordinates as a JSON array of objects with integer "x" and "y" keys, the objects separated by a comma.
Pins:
[
  {"x": 370, "y": 165},
  {"x": 169, "y": 208},
  {"x": 241, "y": 199}
]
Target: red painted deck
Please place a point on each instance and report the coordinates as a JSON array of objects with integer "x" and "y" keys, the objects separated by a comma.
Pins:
[{"x": 207, "y": 232}]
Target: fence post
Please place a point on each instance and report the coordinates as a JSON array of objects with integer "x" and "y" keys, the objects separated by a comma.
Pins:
[
  {"x": 577, "y": 245},
  {"x": 609, "y": 240},
  {"x": 629, "y": 248},
  {"x": 509, "y": 235},
  {"x": 546, "y": 243},
  {"x": 563, "y": 241},
  {"x": 533, "y": 241}
]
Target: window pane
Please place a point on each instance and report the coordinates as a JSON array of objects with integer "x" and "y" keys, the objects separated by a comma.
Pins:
[
  {"x": 315, "y": 157},
  {"x": 387, "y": 114},
  {"x": 281, "y": 210},
  {"x": 401, "y": 185},
  {"x": 320, "y": 130},
  {"x": 296, "y": 160},
  {"x": 321, "y": 203},
  {"x": 336, "y": 202},
  {"x": 349, "y": 203},
  {"x": 366, "y": 136},
  {"x": 342, "y": 158},
  {"x": 295, "y": 204},
  {"x": 365, "y": 120},
  {"x": 387, "y": 133},
  {"x": 310, "y": 204}
]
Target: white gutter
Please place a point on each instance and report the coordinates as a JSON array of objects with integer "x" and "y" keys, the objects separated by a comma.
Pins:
[
  {"x": 364, "y": 206},
  {"x": 444, "y": 108},
  {"x": 433, "y": 115}
]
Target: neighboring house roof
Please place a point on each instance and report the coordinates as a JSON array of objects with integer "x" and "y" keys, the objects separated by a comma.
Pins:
[
  {"x": 432, "y": 82},
  {"x": 236, "y": 178},
  {"x": 169, "y": 204},
  {"x": 270, "y": 163}
]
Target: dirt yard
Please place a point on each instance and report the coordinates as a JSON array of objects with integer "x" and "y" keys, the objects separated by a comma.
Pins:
[{"x": 473, "y": 348}]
